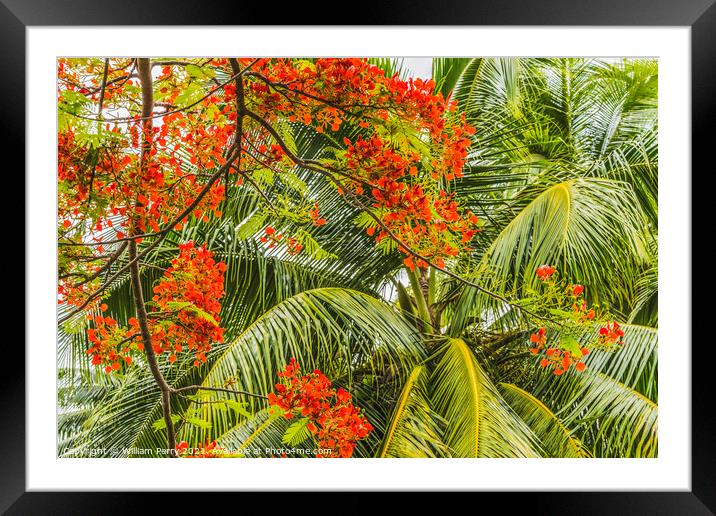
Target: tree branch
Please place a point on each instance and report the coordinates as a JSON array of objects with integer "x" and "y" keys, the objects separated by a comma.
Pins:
[
  {"x": 161, "y": 234},
  {"x": 218, "y": 389},
  {"x": 151, "y": 116},
  {"x": 113, "y": 258},
  {"x": 240, "y": 112},
  {"x": 101, "y": 91},
  {"x": 145, "y": 74}
]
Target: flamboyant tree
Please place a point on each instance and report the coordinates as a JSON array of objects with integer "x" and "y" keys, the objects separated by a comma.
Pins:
[{"x": 145, "y": 146}]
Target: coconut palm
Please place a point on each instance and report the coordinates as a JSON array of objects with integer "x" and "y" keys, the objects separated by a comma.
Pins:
[{"x": 562, "y": 170}]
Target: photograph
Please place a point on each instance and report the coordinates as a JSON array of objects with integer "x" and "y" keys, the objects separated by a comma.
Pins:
[{"x": 356, "y": 257}]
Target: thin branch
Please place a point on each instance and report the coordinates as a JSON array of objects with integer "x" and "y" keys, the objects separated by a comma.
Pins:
[
  {"x": 218, "y": 389},
  {"x": 113, "y": 258},
  {"x": 165, "y": 313},
  {"x": 159, "y": 115},
  {"x": 161, "y": 234},
  {"x": 104, "y": 85},
  {"x": 127, "y": 339},
  {"x": 258, "y": 189},
  {"x": 279, "y": 86}
]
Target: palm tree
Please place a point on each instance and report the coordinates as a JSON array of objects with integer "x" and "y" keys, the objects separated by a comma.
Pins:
[{"x": 562, "y": 170}]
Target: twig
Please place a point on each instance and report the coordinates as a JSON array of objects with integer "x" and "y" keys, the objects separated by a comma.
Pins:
[
  {"x": 159, "y": 115},
  {"x": 104, "y": 85},
  {"x": 218, "y": 389}
]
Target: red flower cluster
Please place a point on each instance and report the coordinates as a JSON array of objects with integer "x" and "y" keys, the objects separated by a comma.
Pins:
[
  {"x": 188, "y": 295},
  {"x": 155, "y": 193},
  {"x": 110, "y": 344},
  {"x": 293, "y": 246},
  {"x": 271, "y": 237},
  {"x": 544, "y": 272},
  {"x": 611, "y": 335},
  {"x": 138, "y": 180},
  {"x": 331, "y": 90},
  {"x": 271, "y": 155},
  {"x": 430, "y": 224},
  {"x": 575, "y": 290},
  {"x": 582, "y": 312},
  {"x": 334, "y": 420},
  {"x": 316, "y": 219},
  {"x": 110, "y": 183},
  {"x": 73, "y": 292},
  {"x": 186, "y": 314},
  {"x": 539, "y": 340},
  {"x": 327, "y": 92},
  {"x": 560, "y": 360},
  {"x": 560, "y": 297}
]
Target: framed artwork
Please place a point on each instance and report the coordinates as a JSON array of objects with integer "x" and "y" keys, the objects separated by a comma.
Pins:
[{"x": 461, "y": 239}]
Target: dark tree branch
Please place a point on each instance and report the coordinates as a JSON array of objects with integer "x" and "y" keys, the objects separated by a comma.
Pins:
[
  {"x": 240, "y": 111},
  {"x": 145, "y": 74},
  {"x": 113, "y": 258},
  {"x": 104, "y": 85}
]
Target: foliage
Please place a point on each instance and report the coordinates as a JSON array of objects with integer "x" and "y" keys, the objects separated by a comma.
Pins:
[{"x": 423, "y": 245}]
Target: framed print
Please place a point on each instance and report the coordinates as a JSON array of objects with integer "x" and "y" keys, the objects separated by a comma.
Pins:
[{"x": 462, "y": 240}]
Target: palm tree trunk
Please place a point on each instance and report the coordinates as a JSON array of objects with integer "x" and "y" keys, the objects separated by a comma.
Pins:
[{"x": 420, "y": 294}]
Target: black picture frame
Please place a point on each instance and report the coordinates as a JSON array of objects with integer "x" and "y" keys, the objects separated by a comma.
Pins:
[{"x": 700, "y": 15}]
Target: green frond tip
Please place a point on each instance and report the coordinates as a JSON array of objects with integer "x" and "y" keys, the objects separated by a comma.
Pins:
[
  {"x": 556, "y": 439},
  {"x": 479, "y": 421},
  {"x": 414, "y": 429}
]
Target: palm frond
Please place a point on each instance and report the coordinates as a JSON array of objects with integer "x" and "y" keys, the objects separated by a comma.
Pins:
[
  {"x": 335, "y": 330},
  {"x": 589, "y": 228},
  {"x": 556, "y": 438},
  {"x": 257, "y": 436},
  {"x": 414, "y": 429},
  {"x": 479, "y": 422},
  {"x": 614, "y": 401}
]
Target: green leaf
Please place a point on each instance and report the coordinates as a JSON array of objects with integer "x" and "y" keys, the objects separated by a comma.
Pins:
[
  {"x": 252, "y": 225},
  {"x": 205, "y": 425},
  {"x": 292, "y": 181},
  {"x": 178, "y": 305},
  {"x": 479, "y": 421},
  {"x": 191, "y": 94},
  {"x": 161, "y": 424},
  {"x": 196, "y": 72},
  {"x": 297, "y": 432},
  {"x": 285, "y": 131},
  {"x": 238, "y": 407},
  {"x": 312, "y": 248},
  {"x": 569, "y": 343},
  {"x": 415, "y": 429},
  {"x": 263, "y": 176},
  {"x": 186, "y": 305}
]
